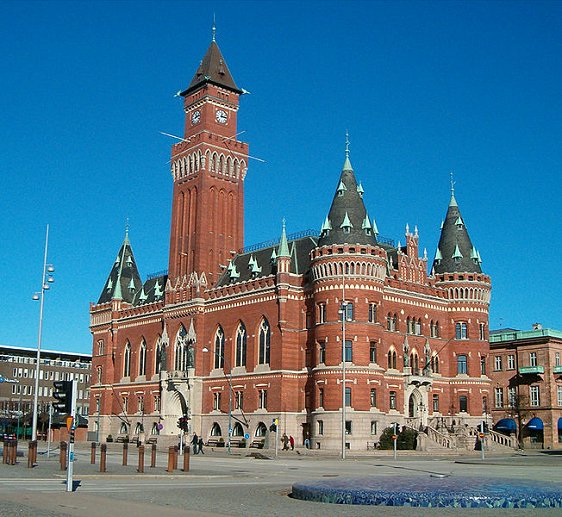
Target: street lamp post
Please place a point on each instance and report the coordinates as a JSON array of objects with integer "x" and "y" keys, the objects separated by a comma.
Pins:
[{"x": 46, "y": 279}]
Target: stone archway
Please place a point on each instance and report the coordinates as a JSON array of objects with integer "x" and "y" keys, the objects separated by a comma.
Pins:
[{"x": 414, "y": 404}]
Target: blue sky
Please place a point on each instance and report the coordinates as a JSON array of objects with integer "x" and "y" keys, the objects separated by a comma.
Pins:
[{"x": 423, "y": 88}]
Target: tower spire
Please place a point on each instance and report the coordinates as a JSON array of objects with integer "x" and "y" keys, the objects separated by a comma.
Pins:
[
  {"x": 214, "y": 28},
  {"x": 453, "y": 201},
  {"x": 347, "y": 163}
]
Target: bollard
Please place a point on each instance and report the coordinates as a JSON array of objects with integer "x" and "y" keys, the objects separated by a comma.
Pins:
[
  {"x": 125, "y": 452},
  {"x": 63, "y": 455},
  {"x": 13, "y": 452},
  {"x": 35, "y": 452},
  {"x": 153, "y": 456},
  {"x": 141, "y": 459},
  {"x": 93, "y": 454},
  {"x": 176, "y": 450},
  {"x": 186, "y": 459},
  {"x": 103, "y": 457},
  {"x": 171, "y": 451},
  {"x": 30, "y": 455}
]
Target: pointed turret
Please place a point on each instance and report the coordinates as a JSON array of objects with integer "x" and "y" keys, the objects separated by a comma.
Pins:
[
  {"x": 213, "y": 70},
  {"x": 283, "y": 244},
  {"x": 347, "y": 222},
  {"x": 124, "y": 279},
  {"x": 455, "y": 252}
]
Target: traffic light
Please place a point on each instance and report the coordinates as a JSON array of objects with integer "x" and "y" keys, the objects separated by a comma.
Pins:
[
  {"x": 63, "y": 393},
  {"x": 183, "y": 423}
]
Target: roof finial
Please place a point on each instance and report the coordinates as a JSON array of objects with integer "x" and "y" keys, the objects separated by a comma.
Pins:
[
  {"x": 346, "y": 143},
  {"x": 453, "y": 201},
  {"x": 127, "y": 229},
  {"x": 214, "y": 28}
]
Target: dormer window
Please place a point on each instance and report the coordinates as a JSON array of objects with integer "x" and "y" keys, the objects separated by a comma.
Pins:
[
  {"x": 457, "y": 255},
  {"x": 346, "y": 226},
  {"x": 438, "y": 257},
  {"x": 341, "y": 189},
  {"x": 459, "y": 222}
]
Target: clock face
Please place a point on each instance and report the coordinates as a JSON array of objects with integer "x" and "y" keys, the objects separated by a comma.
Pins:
[
  {"x": 221, "y": 117},
  {"x": 195, "y": 117}
]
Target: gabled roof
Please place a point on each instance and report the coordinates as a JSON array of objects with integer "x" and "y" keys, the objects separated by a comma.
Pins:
[
  {"x": 455, "y": 252},
  {"x": 246, "y": 264},
  {"x": 347, "y": 213},
  {"x": 124, "y": 280},
  {"x": 212, "y": 69}
]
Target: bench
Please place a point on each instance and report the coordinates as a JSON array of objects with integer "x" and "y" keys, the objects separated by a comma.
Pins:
[
  {"x": 122, "y": 438},
  {"x": 371, "y": 446},
  {"x": 152, "y": 440},
  {"x": 215, "y": 442},
  {"x": 257, "y": 444}
]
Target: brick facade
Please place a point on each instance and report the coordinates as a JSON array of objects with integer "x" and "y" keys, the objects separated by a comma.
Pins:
[{"x": 263, "y": 328}]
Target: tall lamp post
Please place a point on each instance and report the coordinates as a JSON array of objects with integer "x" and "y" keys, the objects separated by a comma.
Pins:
[{"x": 46, "y": 280}]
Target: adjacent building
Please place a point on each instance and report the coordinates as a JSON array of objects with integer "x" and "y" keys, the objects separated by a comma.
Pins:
[
  {"x": 526, "y": 372},
  {"x": 17, "y": 371},
  {"x": 296, "y": 329}
]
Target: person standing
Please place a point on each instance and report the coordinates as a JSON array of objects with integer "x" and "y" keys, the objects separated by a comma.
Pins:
[
  {"x": 292, "y": 442},
  {"x": 195, "y": 443},
  {"x": 285, "y": 441},
  {"x": 200, "y": 445}
]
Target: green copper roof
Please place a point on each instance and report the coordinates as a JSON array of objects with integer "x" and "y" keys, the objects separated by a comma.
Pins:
[{"x": 283, "y": 246}]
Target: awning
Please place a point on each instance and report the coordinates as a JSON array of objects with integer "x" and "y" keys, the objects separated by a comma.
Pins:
[
  {"x": 506, "y": 424},
  {"x": 560, "y": 423},
  {"x": 535, "y": 424}
]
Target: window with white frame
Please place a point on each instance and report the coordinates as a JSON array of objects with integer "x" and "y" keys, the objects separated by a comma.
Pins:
[
  {"x": 559, "y": 395},
  {"x": 372, "y": 313},
  {"x": 262, "y": 399},
  {"x": 321, "y": 313},
  {"x": 498, "y": 362},
  {"x": 498, "y": 393},
  {"x": 511, "y": 362},
  {"x": 217, "y": 400},
  {"x": 533, "y": 359},
  {"x": 461, "y": 331},
  {"x": 535, "y": 396},
  {"x": 512, "y": 396}
]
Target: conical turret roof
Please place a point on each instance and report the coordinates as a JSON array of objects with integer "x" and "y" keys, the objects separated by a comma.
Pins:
[
  {"x": 212, "y": 69},
  {"x": 124, "y": 280},
  {"x": 455, "y": 252},
  {"x": 345, "y": 223}
]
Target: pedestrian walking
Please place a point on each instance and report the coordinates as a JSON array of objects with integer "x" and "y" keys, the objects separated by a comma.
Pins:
[
  {"x": 292, "y": 442},
  {"x": 200, "y": 445},
  {"x": 285, "y": 441},
  {"x": 195, "y": 443}
]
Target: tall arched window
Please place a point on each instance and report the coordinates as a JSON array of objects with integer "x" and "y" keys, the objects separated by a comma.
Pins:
[
  {"x": 241, "y": 345},
  {"x": 158, "y": 358},
  {"x": 100, "y": 347},
  {"x": 264, "y": 342},
  {"x": 127, "y": 360},
  {"x": 180, "y": 350},
  {"x": 142, "y": 358},
  {"x": 392, "y": 359},
  {"x": 219, "y": 348}
]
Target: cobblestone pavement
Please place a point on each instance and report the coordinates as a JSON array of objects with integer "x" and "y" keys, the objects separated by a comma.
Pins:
[{"x": 238, "y": 485}]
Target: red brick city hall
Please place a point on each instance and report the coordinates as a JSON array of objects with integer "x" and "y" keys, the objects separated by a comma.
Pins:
[{"x": 234, "y": 336}]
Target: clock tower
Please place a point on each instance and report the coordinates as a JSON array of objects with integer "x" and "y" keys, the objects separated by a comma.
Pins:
[{"x": 208, "y": 169}]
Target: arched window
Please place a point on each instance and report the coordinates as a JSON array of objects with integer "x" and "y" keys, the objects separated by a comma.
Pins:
[
  {"x": 392, "y": 359},
  {"x": 238, "y": 431},
  {"x": 100, "y": 347},
  {"x": 155, "y": 430},
  {"x": 139, "y": 428},
  {"x": 261, "y": 430},
  {"x": 264, "y": 342},
  {"x": 219, "y": 348},
  {"x": 127, "y": 360},
  {"x": 100, "y": 374},
  {"x": 414, "y": 363},
  {"x": 124, "y": 429},
  {"x": 435, "y": 364},
  {"x": 142, "y": 358},
  {"x": 241, "y": 345},
  {"x": 180, "y": 350},
  {"x": 158, "y": 358},
  {"x": 216, "y": 430}
]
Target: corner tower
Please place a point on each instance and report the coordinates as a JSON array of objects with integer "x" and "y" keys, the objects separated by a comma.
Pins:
[{"x": 208, "y": 169}]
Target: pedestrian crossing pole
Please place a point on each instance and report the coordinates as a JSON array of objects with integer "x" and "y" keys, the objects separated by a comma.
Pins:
[{"x": 71, "y": 427}]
